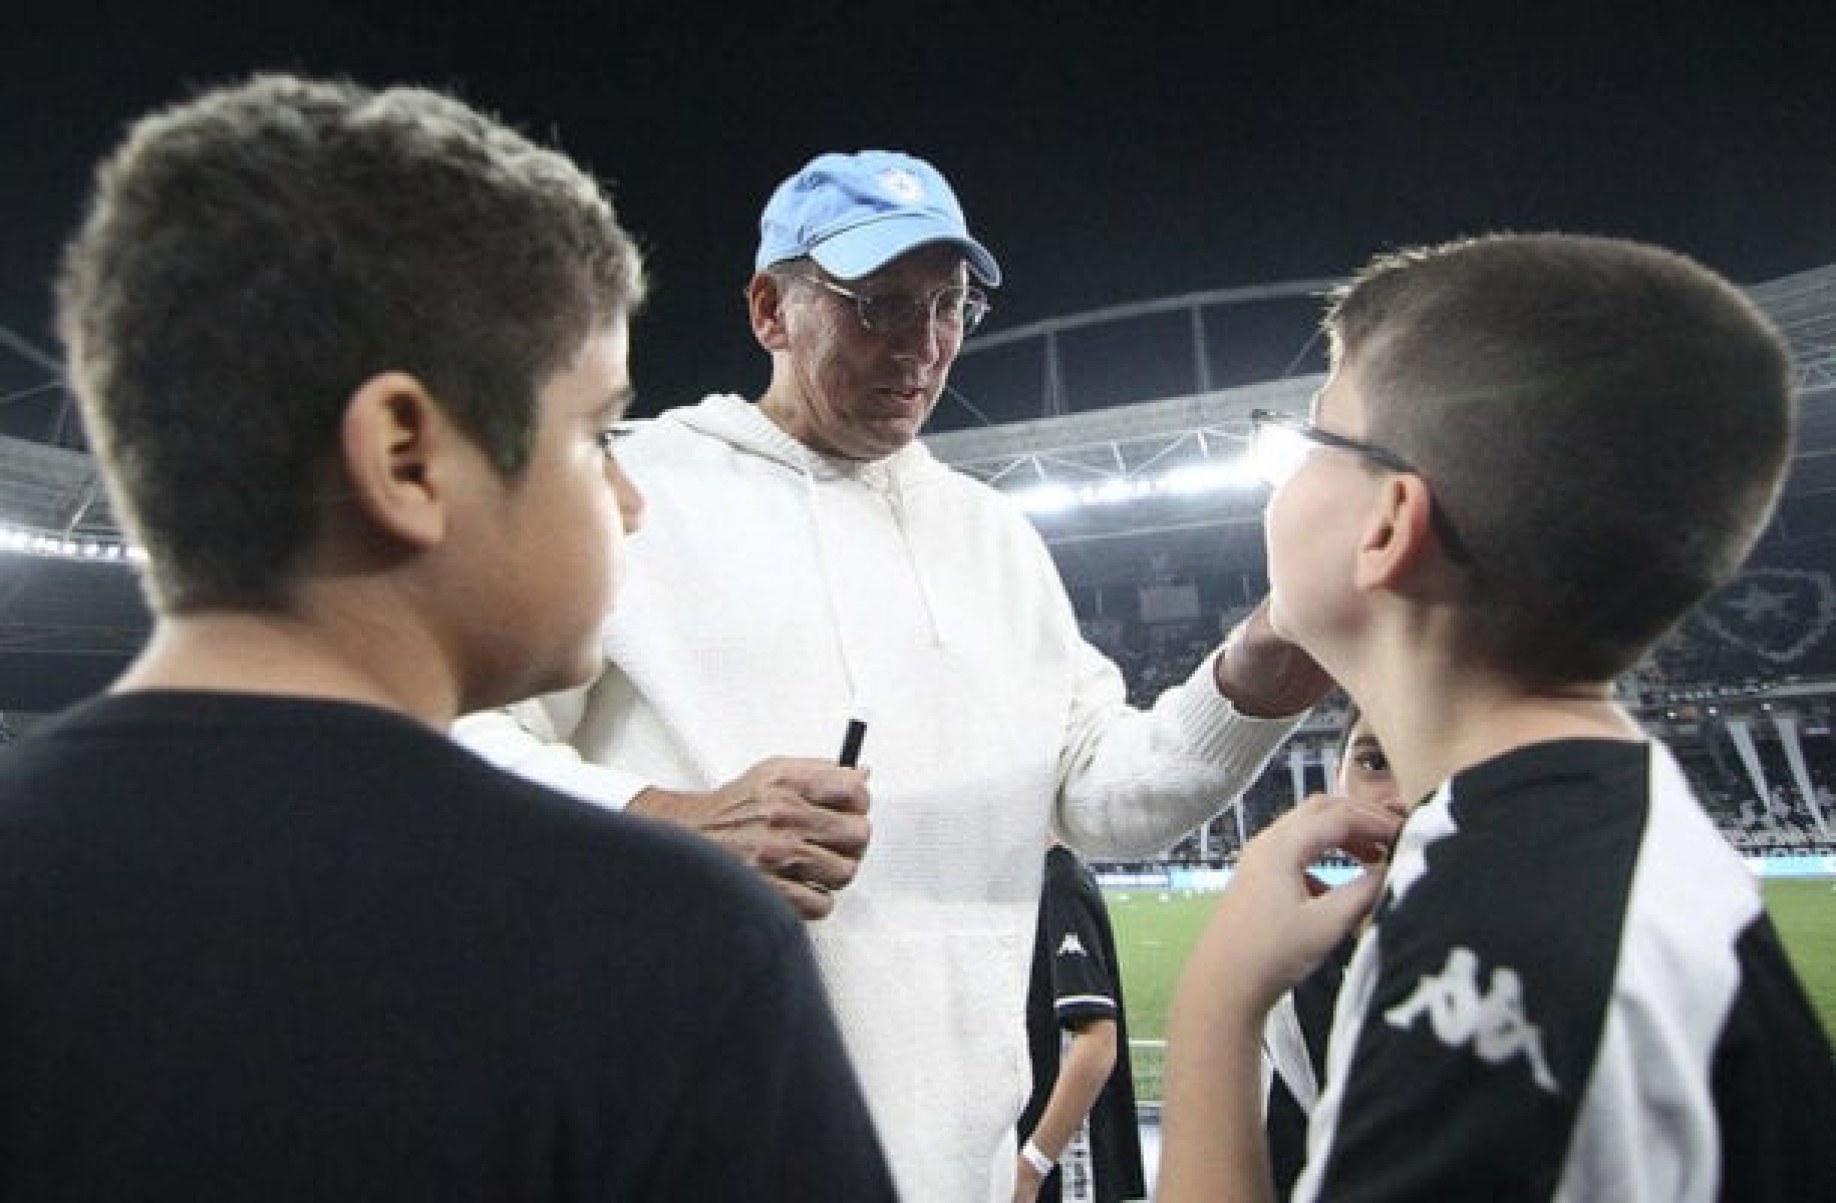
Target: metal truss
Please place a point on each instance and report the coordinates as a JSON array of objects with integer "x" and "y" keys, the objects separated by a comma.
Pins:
[{"x": 1113, "y": 443}]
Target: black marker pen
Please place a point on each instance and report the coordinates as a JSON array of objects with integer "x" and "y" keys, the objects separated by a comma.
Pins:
[{"x": 851, "y": 743}]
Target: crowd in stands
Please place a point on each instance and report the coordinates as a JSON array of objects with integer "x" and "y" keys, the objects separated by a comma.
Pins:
[
  {"x": 1756, "y": 641},
  {"x": 1153, "y": 656},
  {"x": 1785, "y": 820}
]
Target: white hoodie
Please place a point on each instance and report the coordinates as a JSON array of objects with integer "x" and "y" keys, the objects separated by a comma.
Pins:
[{"x": 773, "y": 593}]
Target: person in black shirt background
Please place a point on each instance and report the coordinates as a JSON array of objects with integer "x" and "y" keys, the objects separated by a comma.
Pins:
[{"x": 1080, "y": 1139}]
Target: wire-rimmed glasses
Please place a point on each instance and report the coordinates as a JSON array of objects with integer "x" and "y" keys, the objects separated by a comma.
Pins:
[
  {"x": 959, "y": 308},
  {"x": 1281, "y": 442}
]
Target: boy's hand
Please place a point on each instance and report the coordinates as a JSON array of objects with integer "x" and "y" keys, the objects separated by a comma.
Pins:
[{"x": 1275, "y": 922}]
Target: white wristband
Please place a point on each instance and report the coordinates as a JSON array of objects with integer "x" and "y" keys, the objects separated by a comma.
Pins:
[{"x": 1038, "y": 1160}]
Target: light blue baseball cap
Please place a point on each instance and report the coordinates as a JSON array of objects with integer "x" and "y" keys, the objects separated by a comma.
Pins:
[{"x": 855, "y": 213}]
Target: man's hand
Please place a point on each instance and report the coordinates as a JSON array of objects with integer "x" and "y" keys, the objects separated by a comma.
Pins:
[
  {"x": 1264, "y": 675},
  {"x": 801, "y": 823}
]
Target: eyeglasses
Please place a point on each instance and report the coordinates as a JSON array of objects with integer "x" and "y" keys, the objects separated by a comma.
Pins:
[
  {"x": 954, "y": 307},
  {"x": 1280, "y": 443},
  {"x": 611, "y": 436}
]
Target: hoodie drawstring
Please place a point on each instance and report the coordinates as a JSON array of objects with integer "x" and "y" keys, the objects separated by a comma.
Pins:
[
  {"x": 827, "y": 572},
  {"x": 897, "y": 498}
]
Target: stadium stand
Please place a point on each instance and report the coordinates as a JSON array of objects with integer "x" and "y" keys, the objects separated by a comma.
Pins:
[
  {"x": 1778, "y": 800},
  {"x": 1141, "y": 410}
]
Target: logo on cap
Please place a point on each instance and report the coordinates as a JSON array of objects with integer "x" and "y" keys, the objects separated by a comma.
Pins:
[{"x": 901, "y": 183}]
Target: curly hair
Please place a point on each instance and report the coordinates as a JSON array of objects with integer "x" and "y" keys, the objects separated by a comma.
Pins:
[{"x": 252, "y": 256}]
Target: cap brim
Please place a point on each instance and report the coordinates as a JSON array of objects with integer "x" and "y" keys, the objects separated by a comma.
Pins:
[{"x": 864, "y": 249}]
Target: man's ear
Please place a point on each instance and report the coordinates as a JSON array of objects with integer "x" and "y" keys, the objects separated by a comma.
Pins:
[
  {"x": 396, "y": 442},
  {"x": 765, "y": 300},
  {"x": 1398, "y": 536}
]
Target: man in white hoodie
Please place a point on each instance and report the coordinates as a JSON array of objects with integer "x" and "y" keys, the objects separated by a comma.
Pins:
[{"x": 810, "y": 562}]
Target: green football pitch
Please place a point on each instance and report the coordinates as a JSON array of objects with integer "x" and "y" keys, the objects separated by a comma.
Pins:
[{"x": 1156, "y": 929}]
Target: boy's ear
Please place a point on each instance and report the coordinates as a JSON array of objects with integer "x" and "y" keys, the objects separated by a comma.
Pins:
[
  {"x": 395, "y": 439},
  {"x": 1399, "y": 534},
  {"x": 765, "y": 307}
]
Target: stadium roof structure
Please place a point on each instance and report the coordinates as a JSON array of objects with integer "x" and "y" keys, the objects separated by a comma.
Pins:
[
  {"x": 1149, "y": 488},
  {"x": 1131, "y": 467}
]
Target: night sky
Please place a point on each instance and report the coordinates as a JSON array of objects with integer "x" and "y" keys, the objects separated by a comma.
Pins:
[{"x": 1106, "y": 153}]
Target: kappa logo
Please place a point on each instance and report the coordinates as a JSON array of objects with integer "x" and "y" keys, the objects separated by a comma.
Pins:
[
  {"x": 1071, "y": 946},
  {"x": 1493, "y": 1023}
]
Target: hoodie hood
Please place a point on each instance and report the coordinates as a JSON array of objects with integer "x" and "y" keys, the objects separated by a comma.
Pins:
[{"x": 744, "y": 426}]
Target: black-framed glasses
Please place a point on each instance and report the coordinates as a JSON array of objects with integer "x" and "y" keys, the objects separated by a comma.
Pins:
[
  {"x": 958, "y": 308},
  {"x": 1281, "y": 442},
  {"x": 609, "y": 437}
]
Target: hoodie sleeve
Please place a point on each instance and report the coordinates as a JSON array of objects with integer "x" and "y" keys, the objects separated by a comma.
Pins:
[
  {"x": 530, "y": 739},
  {"x": 1133, "y": 781}
]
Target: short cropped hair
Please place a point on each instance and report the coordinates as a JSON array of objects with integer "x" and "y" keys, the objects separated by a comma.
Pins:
[
  {"x": 1604, "y": 424},
  {"x": 253, "y": 256}
]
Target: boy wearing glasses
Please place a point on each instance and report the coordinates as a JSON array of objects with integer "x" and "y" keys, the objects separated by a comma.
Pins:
[
  {"x": 1533, "y": 455},
  {"x": 810, "y": 557}
]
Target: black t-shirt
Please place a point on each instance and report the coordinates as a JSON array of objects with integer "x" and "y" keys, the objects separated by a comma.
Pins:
[
  {"x": 277, "y": 949},
  {"x": 1077, "y": 978}
]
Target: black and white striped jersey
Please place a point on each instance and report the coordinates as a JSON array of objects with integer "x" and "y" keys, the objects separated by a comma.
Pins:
[{"x": 1572, "y": 992}]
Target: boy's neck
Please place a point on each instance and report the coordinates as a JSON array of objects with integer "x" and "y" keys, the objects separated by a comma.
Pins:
[
  {"x": 283, "y": 654},
  {"x": 1429, "y": 735}
]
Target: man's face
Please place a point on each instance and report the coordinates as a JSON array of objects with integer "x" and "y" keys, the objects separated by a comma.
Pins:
[{"x": 864, "y": 394}]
